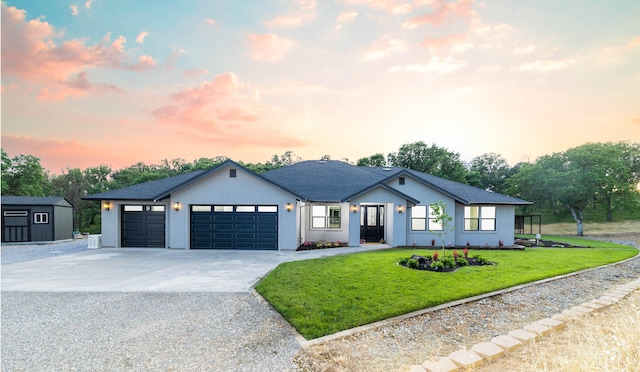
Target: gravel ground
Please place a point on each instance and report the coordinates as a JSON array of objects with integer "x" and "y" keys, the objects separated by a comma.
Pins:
[
  {"x": 14, "y": 253},
  {"x": 410, "y": 342},
  {"x": 143, "y": 332}
]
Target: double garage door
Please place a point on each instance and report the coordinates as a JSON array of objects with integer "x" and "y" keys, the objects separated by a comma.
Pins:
[{"x": 234, "y": 227}]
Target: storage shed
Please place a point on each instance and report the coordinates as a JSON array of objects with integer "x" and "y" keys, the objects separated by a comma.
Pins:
[{"x": 36, "y": 219}]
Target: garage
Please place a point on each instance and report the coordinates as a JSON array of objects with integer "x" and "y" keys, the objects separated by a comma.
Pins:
[
  {"x": 234, "y": 227},
  {"x": 143, "y": 226}
]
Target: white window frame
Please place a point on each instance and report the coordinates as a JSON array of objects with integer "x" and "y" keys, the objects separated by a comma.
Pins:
[
  {"x": 321, "y": 218},
  {"x": 41, "y": 218},
  {"x": 419, "y": 216},
  {"x": 486, "y": 219}
]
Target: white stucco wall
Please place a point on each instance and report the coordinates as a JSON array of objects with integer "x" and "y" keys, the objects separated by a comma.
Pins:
[
  {"x": 505, "y": 223},
  {"x": 112, "y": 220},
  {"x": 244, "y": 189},
  {"x": 329, "y": 235}
]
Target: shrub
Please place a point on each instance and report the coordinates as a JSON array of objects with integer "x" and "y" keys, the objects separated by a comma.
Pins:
[
  {"x": 455, "y": 255},
  {"x": 500, "y": 243},
  {"x": 404, "y": 261},
  {"x": 482, "y": 260},
  {"x": 433, "y": 242},
  {"x": 465, "y": 252},
  {"x": 435, "y": 256},
  {"x": 468, "y": 244},
  {"x": 448, "y": 262},
  {"x": 413, "y": 264},
  {"x": 437, "y": 265},
  {"x": 462, "y": 262}
]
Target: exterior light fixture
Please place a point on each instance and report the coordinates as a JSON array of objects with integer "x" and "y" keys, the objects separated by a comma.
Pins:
[
  {"x": 354, "y": 208},
  {"x": 106, "y": 205},
  {"x": 176, "y": 206},
  {"x": 288, "y": 207},
  {"x": 400, "y": 208}
]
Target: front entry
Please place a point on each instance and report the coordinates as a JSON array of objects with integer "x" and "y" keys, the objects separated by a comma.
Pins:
[{"x": 372, "y": 223}]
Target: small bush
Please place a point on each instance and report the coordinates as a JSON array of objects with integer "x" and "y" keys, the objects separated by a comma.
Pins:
[
  {"x": 462, "y": 261},
  {"x": 482, "y": 261},
  {"x": 465, "y": 252},
  {"x": 448, "y": 262},
  {"x": 413, "y": 264},
  {"x": 437, "y": 265},
  {"x": 435, "y": 256},
  {"x": 404, "y": 261}
]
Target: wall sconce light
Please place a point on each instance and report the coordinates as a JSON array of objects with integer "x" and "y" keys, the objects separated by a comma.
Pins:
[
  {"x": 354, "y": 208},
  {"x": 106, "y": 205},
  {"x": 400, "y": 208},
  {"x": 289, "y": 207},
  {"x": 176, "y": 206}
]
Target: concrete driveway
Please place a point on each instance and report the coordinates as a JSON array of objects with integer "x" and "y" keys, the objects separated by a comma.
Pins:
[{"x": 130, "y": 270}]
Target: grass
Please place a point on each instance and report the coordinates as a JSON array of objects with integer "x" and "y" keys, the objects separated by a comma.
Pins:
[
  {"x": 323, "y": 296},
  {"x": 575, "y": 241}
]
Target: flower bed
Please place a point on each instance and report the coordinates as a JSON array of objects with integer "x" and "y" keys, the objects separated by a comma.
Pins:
[{"x": 321, "y": 244}]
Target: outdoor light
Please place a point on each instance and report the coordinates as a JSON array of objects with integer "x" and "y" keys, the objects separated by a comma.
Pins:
[
  {"x": 400, "y": 208},
  {"x": 176, "y": 206},
  {"x": 106, "y": 205},
  {"x": 289, "y": 207},
  {"x": 354, "y": 208}
]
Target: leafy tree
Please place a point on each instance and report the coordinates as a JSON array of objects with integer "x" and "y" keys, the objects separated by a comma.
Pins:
[
  {"x": 23, "y": 176},
  {"x": 375, "y": 160},
  {"x": 489, "y": 171},
  {"x": 432, "y": 159}
]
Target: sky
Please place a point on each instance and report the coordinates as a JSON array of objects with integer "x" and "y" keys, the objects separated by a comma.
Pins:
[{"x": 117, "y": 82}]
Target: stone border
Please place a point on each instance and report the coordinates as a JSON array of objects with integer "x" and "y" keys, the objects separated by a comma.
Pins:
[
  {"x": 316, "y": 341},
  {"x": 486, "y": 352}
]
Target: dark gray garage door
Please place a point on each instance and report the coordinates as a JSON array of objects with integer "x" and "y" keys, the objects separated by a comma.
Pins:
[
  {"x": 143, "y": 226},
  {"x": 234, "y": 227}
]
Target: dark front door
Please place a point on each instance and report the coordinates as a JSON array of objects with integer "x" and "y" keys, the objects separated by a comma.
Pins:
[{"x": 372, "y": 223}]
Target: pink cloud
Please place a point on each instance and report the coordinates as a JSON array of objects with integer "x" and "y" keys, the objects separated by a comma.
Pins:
[
  {"x": 548, "y": 65},
  {"x": 87, "y": 4},
  {"x": 390, "y": 6},
  {"x": 285, "y": 21},
  {"x": 74, "y": 9},
  {"x": 441, "y": 9},
  {"x": 438, "y": 43},
  {"x": 383, "y": 47},
  {"x": 435, "y": 65},
  {"x": 30, "y": 52},
  {"x": 268, "y": 47},
  {"x": 196, "y": 72},
  {"x": 210, "y": 21},
  {"x": 141, "y": 36},
  {"x": 77, "y": 86},
  {"x": 636, "y": 120}
]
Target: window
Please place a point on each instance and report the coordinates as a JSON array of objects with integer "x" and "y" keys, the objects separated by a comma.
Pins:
[
  {"x": 133, "y": 208},
  {"x": 401, "y": 181},
  {"x": 232, "y": 173},
  {"x": 15, "y": 213},
  {"x": 41, "y": 218},
  {"x": 419, "y": 218},
  {"x": 434, "y": 223},
  {"x": 223, "y": 208},
  {"x": 267, "y": 208},
  {"x": 480, "y": 218},
  {"x": 201, "y": 208},
  {"x": 246, "y": 208},
  {"x": 325, "y": 216}
]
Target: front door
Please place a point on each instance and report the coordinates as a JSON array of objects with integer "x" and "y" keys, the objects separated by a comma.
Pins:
[{"x": 372, "y": 223}]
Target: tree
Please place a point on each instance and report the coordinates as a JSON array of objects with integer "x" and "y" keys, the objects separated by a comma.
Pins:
[
  {"x": 432, "y": 159},
  {"x": 489, "y": 171},
  {"x": 375, "y": 160},
  {"x": 23, "y": 176},
  {"x": 438, "y": 211}
]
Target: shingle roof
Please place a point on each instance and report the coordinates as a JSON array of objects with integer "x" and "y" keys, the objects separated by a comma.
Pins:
[
  {"x": 325, "y": 181},
  {"x": 152, "y": 190},
  {"x": 34, "y": 200}
]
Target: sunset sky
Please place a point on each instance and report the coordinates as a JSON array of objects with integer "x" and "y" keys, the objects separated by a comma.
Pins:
[{"x": 117, "y": 82}]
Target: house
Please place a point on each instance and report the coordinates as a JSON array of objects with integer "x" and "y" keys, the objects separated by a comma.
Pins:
[
  {"x": 36, "y": 219},
  {"x": 230, "y": 207}
]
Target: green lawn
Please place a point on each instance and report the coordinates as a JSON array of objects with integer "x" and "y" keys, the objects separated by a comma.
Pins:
[
  {"x": 323, "y": 296},
  {"x": 573, "y": 240}
]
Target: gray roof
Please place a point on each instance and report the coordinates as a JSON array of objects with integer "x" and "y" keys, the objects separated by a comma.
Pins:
[
  {"x": 321, "y": 181},
  {"x": 34, "y": 200}
]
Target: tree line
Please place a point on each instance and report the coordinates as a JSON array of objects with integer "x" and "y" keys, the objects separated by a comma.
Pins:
[{"x": 599, "y": 174}]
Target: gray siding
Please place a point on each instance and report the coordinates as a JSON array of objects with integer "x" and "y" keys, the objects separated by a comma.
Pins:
[
  {"x": 41, "y": 232},
  {"x": 62, "y": 223}
]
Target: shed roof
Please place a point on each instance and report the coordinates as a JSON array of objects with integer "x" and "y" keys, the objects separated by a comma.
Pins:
[{"x": 35, "y": 200}]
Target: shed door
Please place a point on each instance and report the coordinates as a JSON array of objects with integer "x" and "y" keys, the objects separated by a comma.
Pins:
[
  {"x": 143, "y": 226},
  {"x": 234, "y": 227},
  {"x": 15, "y": 226}
]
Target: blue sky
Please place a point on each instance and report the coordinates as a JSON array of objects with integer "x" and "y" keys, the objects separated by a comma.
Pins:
[{"x": 118, "y": 82}]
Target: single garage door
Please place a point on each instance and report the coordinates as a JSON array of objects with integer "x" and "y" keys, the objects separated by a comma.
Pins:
[
  {"x": 143, "y": 226},
  {"x": 234, "y": 227}
]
